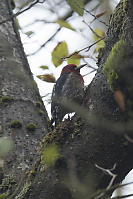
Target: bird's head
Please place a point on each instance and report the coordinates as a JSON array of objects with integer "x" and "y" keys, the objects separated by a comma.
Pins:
[
  {"x": 74, "y": 69},
  {"x": 70, "y": 68}
]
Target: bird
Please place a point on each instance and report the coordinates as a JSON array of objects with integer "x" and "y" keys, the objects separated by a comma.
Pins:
[{"x": 68, "y": 89}]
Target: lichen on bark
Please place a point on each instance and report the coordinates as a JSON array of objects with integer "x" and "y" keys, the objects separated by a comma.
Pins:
[{"x": 114, "y": 64}]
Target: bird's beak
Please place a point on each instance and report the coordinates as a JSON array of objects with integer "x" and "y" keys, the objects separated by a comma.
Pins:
[{"x": 80, "y": 66}]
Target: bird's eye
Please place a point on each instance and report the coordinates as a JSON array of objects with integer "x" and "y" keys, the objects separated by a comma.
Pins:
[{"x": 73, "y": 67}]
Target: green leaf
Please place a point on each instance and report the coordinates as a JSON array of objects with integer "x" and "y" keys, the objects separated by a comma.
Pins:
[
  {"x": 29, "y": 33},
  {"x": 74, "y": 59},
  {"x": 63, "y": 23},
  {"x": 47, "y": 78},
  {"x": 77, "y": 6},
  {"x": 96, "y": 36},
  {"x": 44, "y": 67},
  {"x": 61, "y": 50}
]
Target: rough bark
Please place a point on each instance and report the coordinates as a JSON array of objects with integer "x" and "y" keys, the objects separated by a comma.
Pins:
[
  {"x": 101, "y": 137},
  {"x": 22, "y": 115}
]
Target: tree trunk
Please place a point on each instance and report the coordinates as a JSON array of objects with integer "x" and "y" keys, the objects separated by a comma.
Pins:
[
  {"x": 23, "y": 117},
  {"x": 92, "y": 151}
]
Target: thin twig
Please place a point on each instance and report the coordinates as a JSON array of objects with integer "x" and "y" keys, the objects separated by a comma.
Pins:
[
  {"x": 89, "y": 66},
  {"x": 95, "y": 18},
  {"x": 39, "y": 21},
  {"x": 111, "y": 188},
  {"x": 45, "y": 43},
  {"x": 91, "y": 14},
  {"x": 92, "y": 29},
  {"x": 89, "y": 72},
  {"x": 88, "y": 48},
  {"x": 129, "y": 139},
  {"x": 20, "y": 12},
  {"x": 46, "y": 95},
  {"x": 109, "y": 172}
]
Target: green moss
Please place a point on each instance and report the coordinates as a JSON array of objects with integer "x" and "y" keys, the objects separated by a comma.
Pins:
[
  {"x": 24, "y": 191},
  {"x": 116, "y": 31},
  {"x": 118, "y": 71},
  {"x": 32, "y": 174},
  {"x": 16, "y": 124},
  {"x": 113, "y": 64},
  {"x": 7, "y": 183},
  {"x": 67, "y": 130},
  {"x": 124, "y": 4},
  {"x": 3, "y": 196},
  {"x": 38, "y": 104},
  {"x": 41, "y": 112},
  {"x": 5, "y": 100},
  {"x": 31, "y": 126},
  {"x": 50, "y": 154},
  {"x": 118, "y": 19},
  {"x": 62, "y": 135},
  {"x": 54, "y": 136}
]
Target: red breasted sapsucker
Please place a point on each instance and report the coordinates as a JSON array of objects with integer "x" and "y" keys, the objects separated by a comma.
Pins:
[{"x": 69, "y": 88}]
